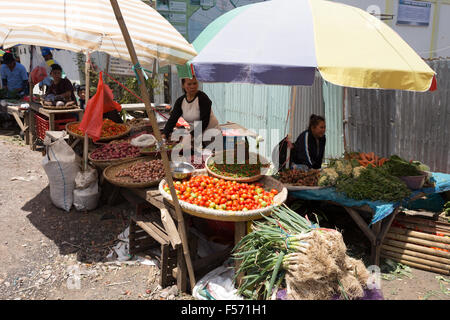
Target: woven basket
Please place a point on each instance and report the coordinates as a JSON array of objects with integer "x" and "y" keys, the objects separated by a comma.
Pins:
[
  {"x": 252, "y": 155},
  {"x": 126, "y": 182},
  {"x": 101, "y": 139},
  {"x": 291, "y": 187},
  {"x": 236, "y": 216},
  {"x": 54, "y": 107},
  {"x": 102, "y": 164}
]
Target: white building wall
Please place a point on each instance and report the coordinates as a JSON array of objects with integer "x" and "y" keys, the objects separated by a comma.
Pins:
[
  {"x": 430, "y": 41},
  {"x": 443, "y": 34}
]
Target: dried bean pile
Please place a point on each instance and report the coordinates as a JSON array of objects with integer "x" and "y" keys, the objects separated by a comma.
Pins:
[
  {"x": 300, "y": 178},
  {"x": 112, "y": 151},
  {"x": 145, "y": 171}
]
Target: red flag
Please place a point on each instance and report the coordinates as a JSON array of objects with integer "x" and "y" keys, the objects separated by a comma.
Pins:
[
  {"x": 433, "y": 86},
  {"x": 101, "y": 102}
]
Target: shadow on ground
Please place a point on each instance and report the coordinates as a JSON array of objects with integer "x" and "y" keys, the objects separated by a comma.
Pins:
[{"x": 90, "y": 235}]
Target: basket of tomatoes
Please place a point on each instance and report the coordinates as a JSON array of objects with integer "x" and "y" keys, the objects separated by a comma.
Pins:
[
  {"x": 110, "y": 130},
  {"x": 212, "y": 198}
]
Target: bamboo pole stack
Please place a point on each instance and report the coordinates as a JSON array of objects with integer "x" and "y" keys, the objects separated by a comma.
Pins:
[{"x": 419, "y": 243}]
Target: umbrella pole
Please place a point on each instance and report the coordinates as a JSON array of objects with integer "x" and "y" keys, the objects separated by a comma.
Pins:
[
  {"x": 291, "y": 124},
  {"x": 157, "y": 133},
  {"x": 86, "y": 137}
]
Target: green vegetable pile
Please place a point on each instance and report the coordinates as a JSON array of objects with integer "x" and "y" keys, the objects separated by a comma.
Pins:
[
  {"x": 264, "y": 251},
  {"x": 236, "y": 170},
  {"x": 373, "y": 184},
  {"x": 399, "y": 167}
]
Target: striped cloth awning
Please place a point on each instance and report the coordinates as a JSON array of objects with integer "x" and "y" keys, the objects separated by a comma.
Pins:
[{"x": 81, "y": 25}]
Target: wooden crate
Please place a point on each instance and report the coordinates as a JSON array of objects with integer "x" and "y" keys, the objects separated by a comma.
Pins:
[
  {"x": 419, "y": 242},
  {"x": 147, "y": 233}
]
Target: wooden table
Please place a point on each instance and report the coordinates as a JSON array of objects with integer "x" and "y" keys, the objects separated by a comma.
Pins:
[
  {"x": 137, "y": 106},
  {"x": 19, "y": 114},
  {"x": 50, "y": 114},
  {"x": 201, "y": 265},
  {"x": 376, "y": 232}
]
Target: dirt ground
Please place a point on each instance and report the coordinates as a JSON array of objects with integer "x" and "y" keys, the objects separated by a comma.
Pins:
[{"x": 41, "y": 245}]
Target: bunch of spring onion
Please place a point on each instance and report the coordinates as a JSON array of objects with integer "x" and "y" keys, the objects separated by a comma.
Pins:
[{"x": 266, "y": 252}]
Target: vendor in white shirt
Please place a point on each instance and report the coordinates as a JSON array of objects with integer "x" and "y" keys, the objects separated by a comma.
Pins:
[{"x": 193, "y": 106}]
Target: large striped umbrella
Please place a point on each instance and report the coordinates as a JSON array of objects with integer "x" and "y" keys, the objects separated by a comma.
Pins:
[
  {"x": 82, "y": 25},
  {"x": 285, "y": 41}
]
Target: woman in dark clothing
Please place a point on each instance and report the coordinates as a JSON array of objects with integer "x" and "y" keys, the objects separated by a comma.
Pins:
[
  {"x": 309, "y": 148},
  {"x": 60, "y": 89},
  {"x": 193, "y": 106}
]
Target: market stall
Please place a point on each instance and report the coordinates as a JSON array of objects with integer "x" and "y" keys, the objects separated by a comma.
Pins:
[
  {"x": 44, "y": 118},
  {"x": 378, "y": 191}
]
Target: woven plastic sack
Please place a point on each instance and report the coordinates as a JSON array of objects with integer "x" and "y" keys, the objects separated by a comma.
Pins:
[{"x": 61, "y": 165}]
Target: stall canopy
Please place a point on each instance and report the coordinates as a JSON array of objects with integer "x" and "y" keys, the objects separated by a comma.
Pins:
[
  {"x": 285, "y": 41},
  {"x": 82, "y": 25}
]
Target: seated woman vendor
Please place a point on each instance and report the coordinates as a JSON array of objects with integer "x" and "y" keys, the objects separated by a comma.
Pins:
[
  {"x": 309, "y": 148},
  {"x": 193, "y": 106},
  {"x": 60, "y": 89}
]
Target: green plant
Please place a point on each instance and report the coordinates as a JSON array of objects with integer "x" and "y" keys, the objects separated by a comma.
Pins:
[
  {"x": 132, "y": 84},
  {"x": 373, "y": 184},
  {"x": 447, "y": 208},
  {"x": 264, "y": 251},
  {"x": 120, "y": 94}
]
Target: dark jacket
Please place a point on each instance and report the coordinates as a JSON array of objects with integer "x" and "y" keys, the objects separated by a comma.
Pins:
[
  {"x": 205, "y": 111},
  {"x": 307, "y": 152}
]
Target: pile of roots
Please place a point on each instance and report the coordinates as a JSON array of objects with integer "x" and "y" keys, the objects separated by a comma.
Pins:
[{"x": 321, "y": 269}]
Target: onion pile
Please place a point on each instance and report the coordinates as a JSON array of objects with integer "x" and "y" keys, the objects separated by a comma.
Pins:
[
  {"x": 112, "y": 151},
  {"x": 145, "y": 171}
]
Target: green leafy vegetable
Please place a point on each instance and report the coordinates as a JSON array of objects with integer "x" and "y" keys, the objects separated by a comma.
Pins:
[{"x": 373, "y": 184}]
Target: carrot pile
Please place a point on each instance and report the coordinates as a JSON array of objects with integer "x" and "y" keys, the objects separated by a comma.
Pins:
[{"x": 366, "y": 159}]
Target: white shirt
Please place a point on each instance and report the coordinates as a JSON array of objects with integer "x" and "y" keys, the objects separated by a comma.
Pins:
[{"x": 191, "y": 113}]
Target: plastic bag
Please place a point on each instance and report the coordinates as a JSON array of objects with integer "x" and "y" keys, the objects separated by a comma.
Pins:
[
  {"x": 86, "y": 193},
  {"x": 144, "y": 141},
  {"x": 86, "y": 199},
  {"x": 217, "y": 284},
  {"x": 85, "y": 178},
  {"x": 102, "y": 102},
  {"x": 38, "y": 74},
  {"x": 61, "y": 165}
]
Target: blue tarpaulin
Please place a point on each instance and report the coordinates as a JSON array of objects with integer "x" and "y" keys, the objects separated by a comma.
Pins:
[{"x": 381, "y": 209}]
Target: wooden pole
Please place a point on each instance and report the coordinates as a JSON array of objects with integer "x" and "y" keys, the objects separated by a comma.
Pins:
[
  {"x": 417, "y": 248},
  {"x": 345, "y": 120},
  {"x": 418, "y": 227},
  {"x": 425, "y": 222},
  {"x": 157, "y": 133},
  {"x": 425, "y": 262},
  {"x": 291, "y": 123},
  {"x": 420, "y": 235},
  {"x": 417, "y": 241},
  {"x": 416, "y": 265},
  {"x": 86, "y": 137},
  {"x": 29, "y": 80},
  {"x": 425, "y": 256}
]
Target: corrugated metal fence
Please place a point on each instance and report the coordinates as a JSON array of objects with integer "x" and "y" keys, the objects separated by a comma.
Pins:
[{"x": 412, "y": 125}]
